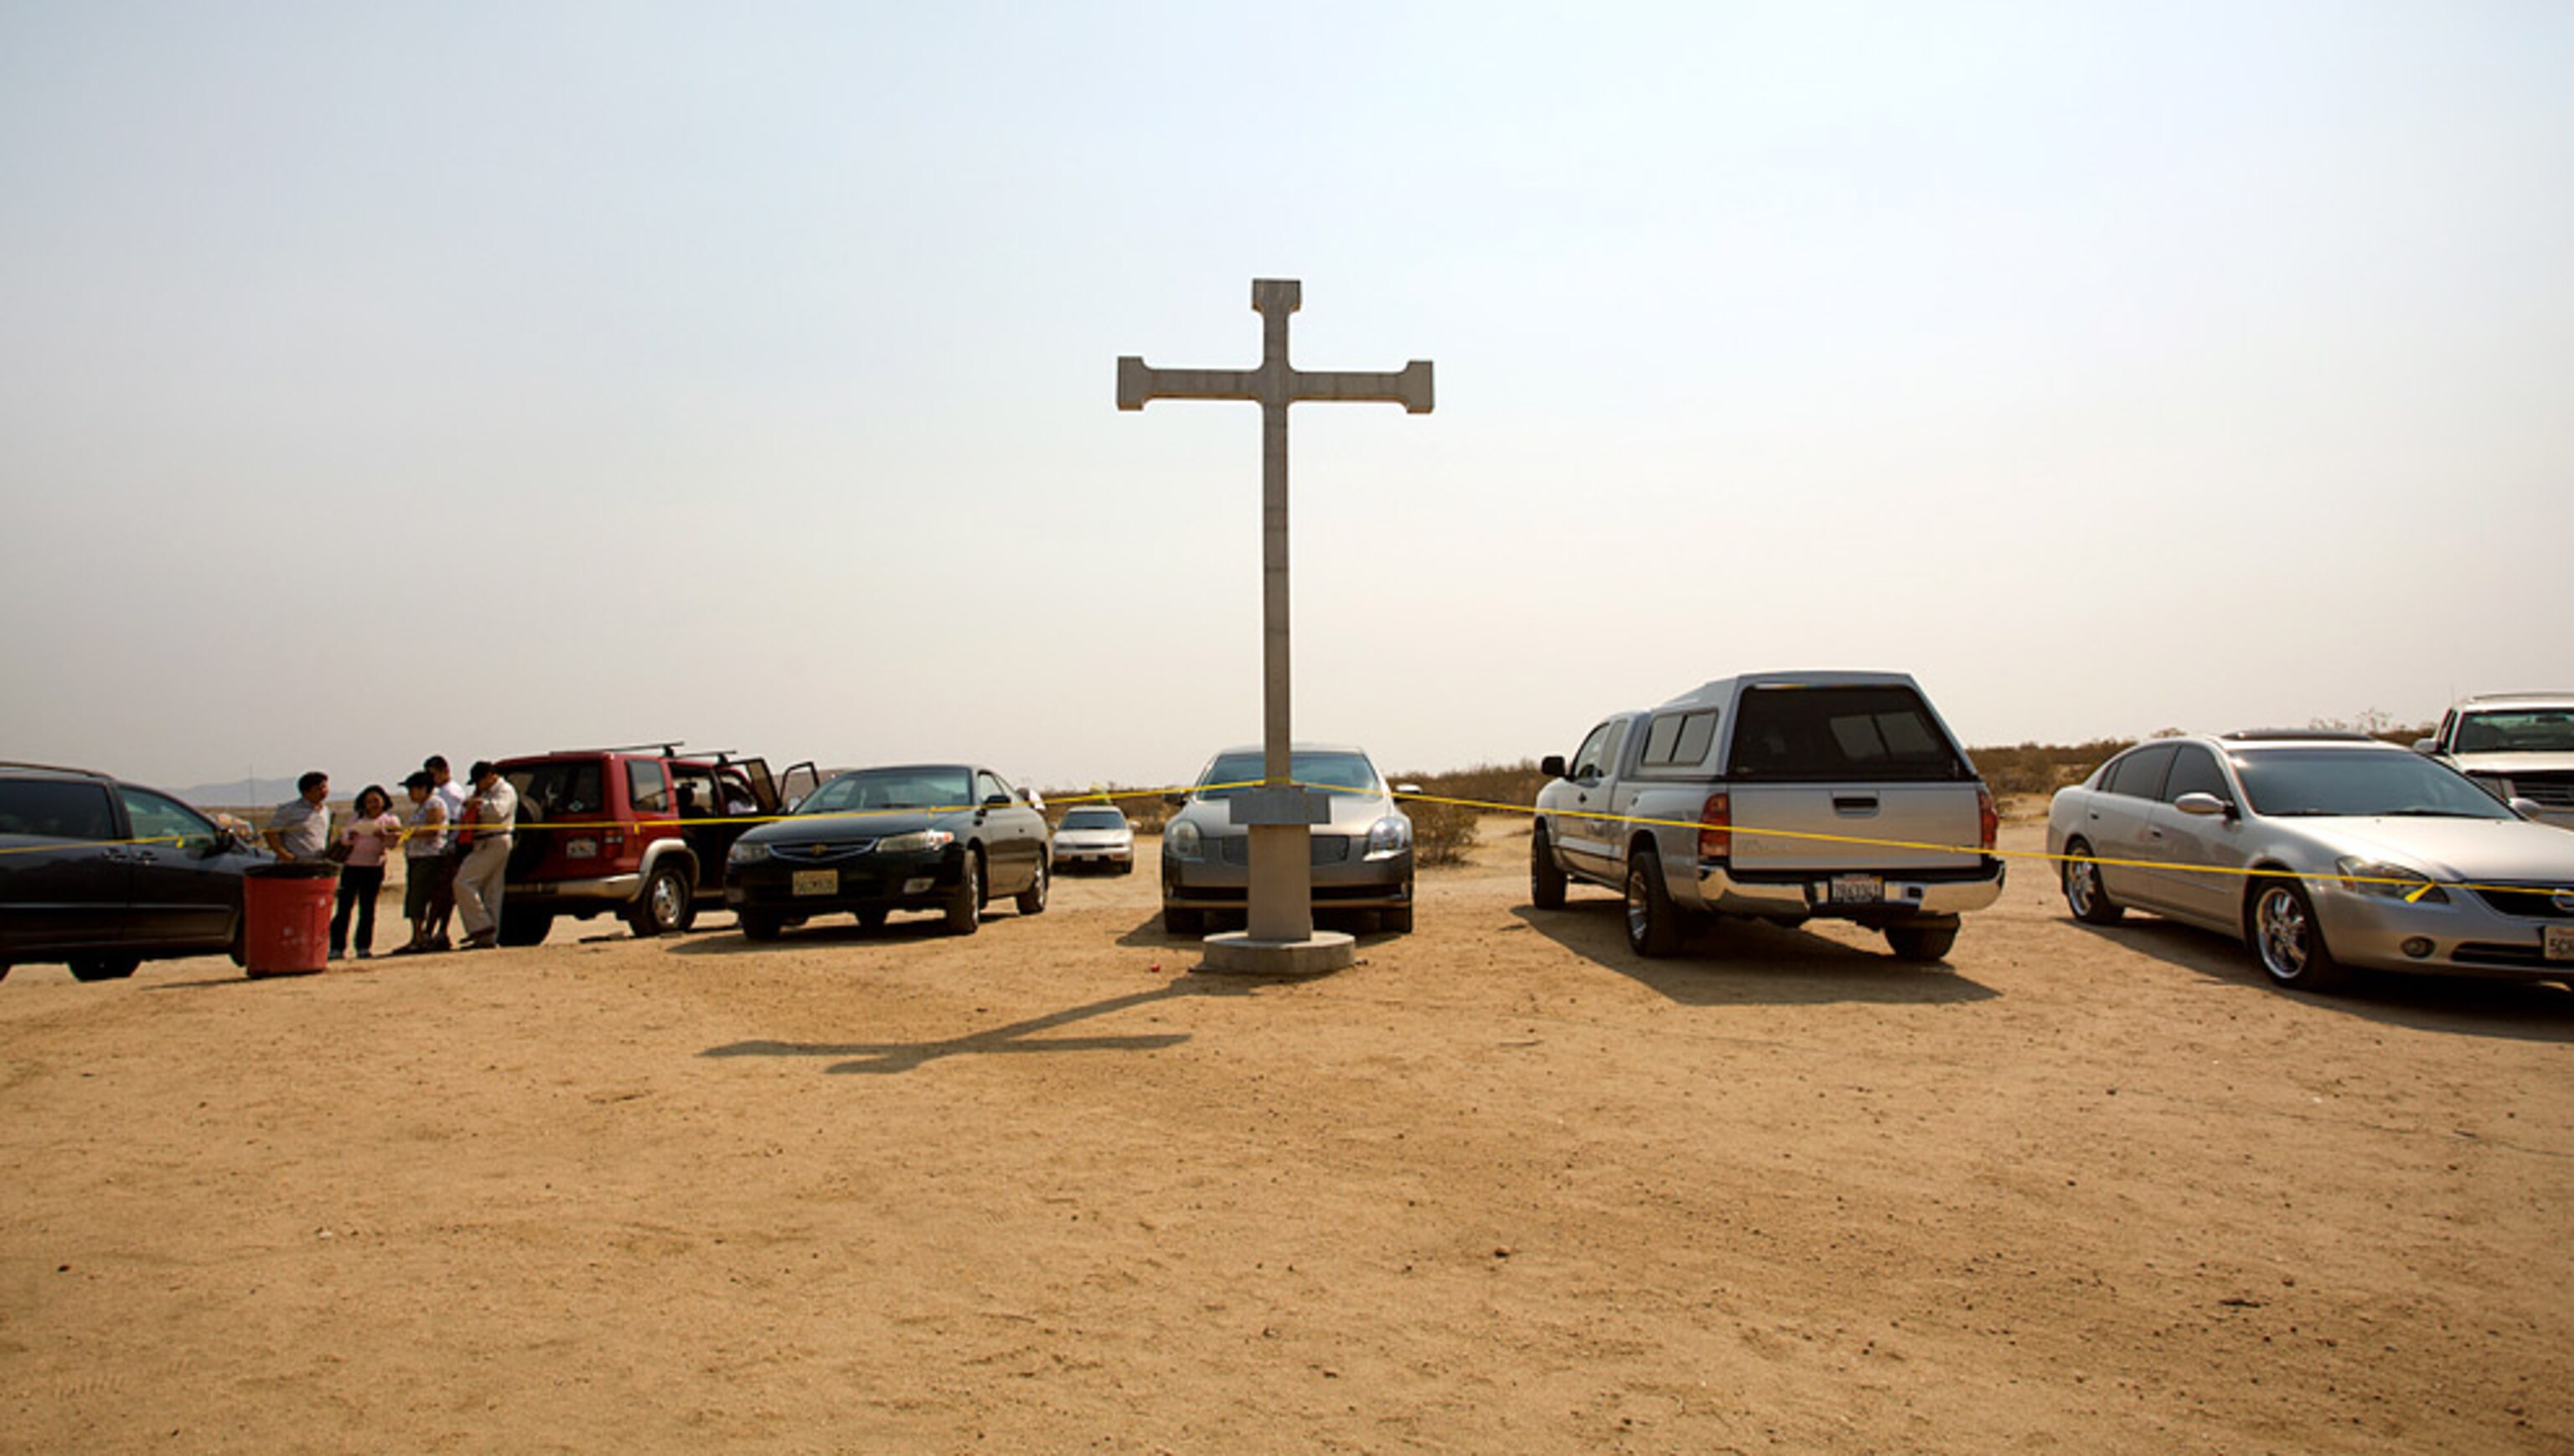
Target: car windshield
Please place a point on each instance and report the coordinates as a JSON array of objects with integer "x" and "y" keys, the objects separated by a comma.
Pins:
[
  {"x": 886, "y": 789},
  {"x": 2530, "y": 730},
  {"x": 1094, "y": 818},
  {"x": 2287, "y": 783},
  {"x": 1336, "y": 773}
]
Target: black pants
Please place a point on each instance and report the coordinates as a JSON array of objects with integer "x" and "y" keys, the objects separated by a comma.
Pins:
[{"x": 359, "y": 886}]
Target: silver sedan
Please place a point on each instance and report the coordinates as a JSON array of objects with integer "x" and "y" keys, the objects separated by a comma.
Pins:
[
  {"x": 2322, "y": 853},
  {"x": 1362, "y": 856}
]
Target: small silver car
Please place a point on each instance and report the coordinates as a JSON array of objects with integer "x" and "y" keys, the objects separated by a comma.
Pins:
[
  {"x": 1362, "y": 858},
  {"x": 2322, "y": 852},
  {"x": 1095, "y": 834}
]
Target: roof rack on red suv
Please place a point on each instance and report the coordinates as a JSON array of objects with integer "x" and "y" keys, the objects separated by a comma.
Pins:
[{"x": 640, "y": 831}]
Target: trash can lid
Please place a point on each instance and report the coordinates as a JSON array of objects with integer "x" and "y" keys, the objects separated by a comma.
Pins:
[{"x": 295, "y": 869}]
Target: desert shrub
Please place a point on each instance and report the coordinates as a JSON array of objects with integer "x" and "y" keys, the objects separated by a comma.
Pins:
[
  {"x": 1443, "y": 831},
  {"x": 2041, "y": 769}
]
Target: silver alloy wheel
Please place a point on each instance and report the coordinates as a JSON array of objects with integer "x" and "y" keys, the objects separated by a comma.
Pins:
[
  {"x": 670, "y": 900},
  {"x": 2082, "y": 887},
  {"x": 1639, "y": 910},
  {"x": 2284, "y": 933}
]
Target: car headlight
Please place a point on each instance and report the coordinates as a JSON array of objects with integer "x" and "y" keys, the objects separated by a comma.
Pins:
[
  {"x": 917, "y": 839},
  {"x": 1389, "y": 836},
  {"x": 746, "y": 851},
  {"x": 1183, "y": 840},
  {"x": 2388, "y": 882}
]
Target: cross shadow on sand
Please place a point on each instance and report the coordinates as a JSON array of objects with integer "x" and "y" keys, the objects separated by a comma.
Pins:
[
  {"x": 1732, "y": 963},
  {"x": 879, "y": 1057},
  {"x": 2464, "y": 1005}
]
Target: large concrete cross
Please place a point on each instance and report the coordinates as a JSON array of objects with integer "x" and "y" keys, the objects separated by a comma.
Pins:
[{"x": 1280, "y": 815}]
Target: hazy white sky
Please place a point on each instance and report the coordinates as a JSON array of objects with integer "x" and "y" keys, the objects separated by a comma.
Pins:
[{"x": 380, "y": 380}]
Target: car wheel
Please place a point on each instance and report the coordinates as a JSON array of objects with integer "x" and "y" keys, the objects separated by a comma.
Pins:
[
  {"x": 966, "y": 906},
  {"x": 1546, "y": 877},
  {"x": 872, "y": 917},
  {"x": 524, "y": 927},
  {"x": 1032, "y": 900},
  {"x": 1396, "y": 922},
  {"x": 104, "y": 967},
  {"x": 1921, "y": 942},
  {"x": 664, "y": 905},
  {"x": 2285, "y": 938},
  {"x": 2084, "y": 892},
  {"x": 1653, "y": 921},
  {"x": 1177, "y": 922},
  {"x": 756, "y": 925}
]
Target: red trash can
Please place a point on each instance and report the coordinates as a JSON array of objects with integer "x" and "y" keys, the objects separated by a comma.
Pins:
[{"x": 285, "y": 916}]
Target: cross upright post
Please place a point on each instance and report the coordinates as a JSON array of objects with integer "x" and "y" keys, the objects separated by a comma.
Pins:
[{"x": 1280, "y": 814}]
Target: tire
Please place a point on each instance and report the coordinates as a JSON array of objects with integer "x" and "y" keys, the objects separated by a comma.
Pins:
[
  {"x": 1546, "y": 877},
  {"x": 871, "y": 918},
  {"x": 756, "y": 925},
  {"x": 1126, "y": 868},
  {"x": 1921, "y": 942},
  {"x": 104, "y": 967},
  {"x": 2084, "y": 893},
  {"x": 1177, "y": 922},
  {"x": 1397, "y": 921},
  {"x": 524, "y": 927},
  {"x": 2279, "y": 923},
  {"x": 965, "y": 903},
  {"x": 1653, "y": 921},
  {"x": 1032, "y": 900},
  {"x": 668, "y": 905}
]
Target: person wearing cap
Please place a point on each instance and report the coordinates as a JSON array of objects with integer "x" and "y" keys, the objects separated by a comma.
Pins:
[
  {"x": 428, "y": 869},
  {"x": 489, "y": 816},
  {"x": 442, "y": 871}
]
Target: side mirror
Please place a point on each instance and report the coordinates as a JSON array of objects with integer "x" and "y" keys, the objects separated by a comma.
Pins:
[
  {"x": 1551, "y": 765},
  {"x": 1411, "y": 788},
  {"x": 997, "y": 800},
  {"x": 2205, "y": 806},
  {"x": 2527, "y": 808},
  {"x": 1176, "y": 800}
]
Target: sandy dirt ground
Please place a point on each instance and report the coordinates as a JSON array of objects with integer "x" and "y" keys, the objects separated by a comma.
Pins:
[{"x": 1502, "y": 1188}]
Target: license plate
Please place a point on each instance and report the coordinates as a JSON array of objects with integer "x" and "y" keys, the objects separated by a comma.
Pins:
[
  {"x": 580, "y": 849},
  {"x": 1858, "y": 889},
  {"x": 2560, "y": 943},
  {"x": 817, "y": 882}
]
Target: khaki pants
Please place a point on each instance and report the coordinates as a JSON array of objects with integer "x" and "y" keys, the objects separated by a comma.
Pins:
[{"x": 480, "y": 882}]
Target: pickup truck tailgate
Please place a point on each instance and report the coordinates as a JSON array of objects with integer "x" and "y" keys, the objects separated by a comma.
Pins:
[{"x": 1868, "y": 827}]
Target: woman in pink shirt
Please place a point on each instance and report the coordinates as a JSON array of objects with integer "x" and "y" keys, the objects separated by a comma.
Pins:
[{"x": 371, "y": 829}]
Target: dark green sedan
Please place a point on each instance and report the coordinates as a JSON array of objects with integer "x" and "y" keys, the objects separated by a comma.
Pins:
[{"x": 945, "y": 838}]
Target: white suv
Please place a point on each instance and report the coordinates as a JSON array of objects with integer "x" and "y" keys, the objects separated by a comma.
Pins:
[{"x": 2519, "y": 746}]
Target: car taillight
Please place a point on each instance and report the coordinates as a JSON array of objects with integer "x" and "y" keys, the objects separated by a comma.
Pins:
[
  {"x": 1990, "y": 816},
  {"x": 1715, "y": 828}
]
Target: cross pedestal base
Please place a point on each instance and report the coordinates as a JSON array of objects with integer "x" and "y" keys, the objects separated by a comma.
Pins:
[{"x": 1321, "y": 951}]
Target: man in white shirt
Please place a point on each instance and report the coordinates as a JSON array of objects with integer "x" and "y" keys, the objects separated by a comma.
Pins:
[
  {"x": 442, "y": 892},
  {"x": 490, "y": 817}
]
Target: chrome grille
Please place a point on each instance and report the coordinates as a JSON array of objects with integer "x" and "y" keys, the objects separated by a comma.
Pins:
[{"x": 2532, "y": 904}]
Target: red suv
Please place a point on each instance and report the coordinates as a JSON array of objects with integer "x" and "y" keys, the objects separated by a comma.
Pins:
[{"x": 639, "y": 830}]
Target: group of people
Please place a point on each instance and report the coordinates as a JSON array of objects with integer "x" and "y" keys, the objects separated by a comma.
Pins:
[{"x": 454, "y": 846}]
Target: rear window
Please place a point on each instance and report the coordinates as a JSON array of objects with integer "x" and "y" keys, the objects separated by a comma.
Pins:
[
  {"x": 1828, "y": 734},
  {"x": 560, "y": 789},
  {"x": 55, "y": 810}
]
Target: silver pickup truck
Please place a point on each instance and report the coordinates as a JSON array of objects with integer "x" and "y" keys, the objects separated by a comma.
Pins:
[{"x": 1781, "y": 796}]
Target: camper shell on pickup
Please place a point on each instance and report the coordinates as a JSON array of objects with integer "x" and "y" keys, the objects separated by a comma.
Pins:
[{"x": 1781, "y": 796}]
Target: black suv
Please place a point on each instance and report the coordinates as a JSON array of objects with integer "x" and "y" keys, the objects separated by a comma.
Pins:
[{"x": 103, "y": 874}]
